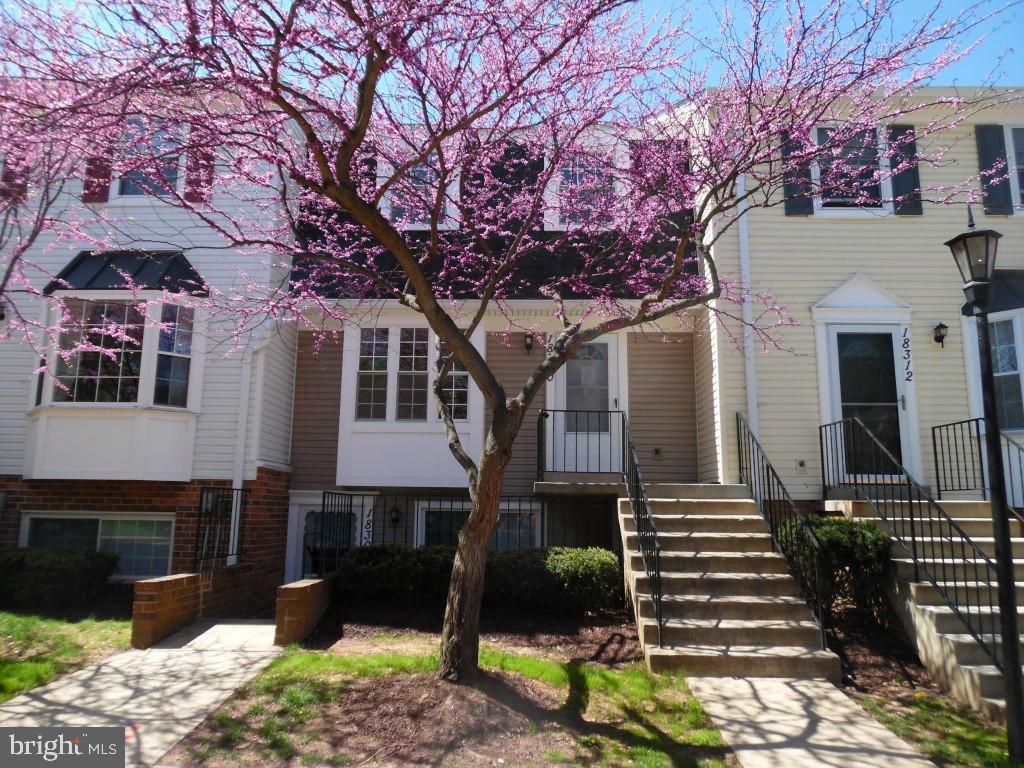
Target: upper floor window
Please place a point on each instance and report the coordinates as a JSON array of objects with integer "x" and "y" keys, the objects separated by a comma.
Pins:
[
  {"x": 849, "y": 174},
  {"x": 107, "y": 352},
  {"x": 153, "y": 144},
  {"x": 413, "y": 198},
  {"x": 395, "y": 373},
  {"x": 585, "y": 193}
]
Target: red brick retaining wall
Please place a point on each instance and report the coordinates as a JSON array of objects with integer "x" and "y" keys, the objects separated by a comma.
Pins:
[
  {"x": 162, "y": 606},
  {"x": 300, "y": 606}
]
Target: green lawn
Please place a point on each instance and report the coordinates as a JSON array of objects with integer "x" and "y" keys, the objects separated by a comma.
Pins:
[
  {"x": 949, "y": 734},
  {"x": 34, "y": 649},
  {"x": 294, "y": 712}
]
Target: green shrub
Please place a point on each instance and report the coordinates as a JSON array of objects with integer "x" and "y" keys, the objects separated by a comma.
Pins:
[
  {"x": 44, "y": 579},
  {"x": 553, "y": 579},
  {"x": 855, "y": 564}
]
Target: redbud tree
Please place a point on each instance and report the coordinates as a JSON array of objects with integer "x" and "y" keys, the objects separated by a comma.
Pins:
[{"x": 451, "y": 156}]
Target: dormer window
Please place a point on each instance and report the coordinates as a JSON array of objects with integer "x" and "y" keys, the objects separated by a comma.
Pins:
[
  {"x": 585, "y": 193},
  {"x": 100, "y": 352},
  {"x": 849, "y": 172}
]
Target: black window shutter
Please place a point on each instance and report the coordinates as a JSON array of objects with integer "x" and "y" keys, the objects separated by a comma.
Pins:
[
  {"x": 96, "y": 186},
  {"x": 995, "y": 182},
  {"x": 796, "y": 184},
  {"x": 906, "y": 185}
]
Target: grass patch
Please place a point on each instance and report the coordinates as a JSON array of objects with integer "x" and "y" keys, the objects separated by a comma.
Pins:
[
  {"x": 608, "y": 716},
  {"x": 34, "y": 650},
  {"x": 947, "y": 733}
]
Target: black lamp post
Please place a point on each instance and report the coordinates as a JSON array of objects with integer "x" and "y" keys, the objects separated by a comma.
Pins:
[{"x": 975, "y": 254}]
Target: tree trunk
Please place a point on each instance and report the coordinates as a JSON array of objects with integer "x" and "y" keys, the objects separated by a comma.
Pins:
[{"x": 460, "y": 636}]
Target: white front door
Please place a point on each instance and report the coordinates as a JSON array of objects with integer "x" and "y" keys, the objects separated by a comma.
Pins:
[
  {"x": 871, "y": 375},
  {"x": 585, "y": 428}
]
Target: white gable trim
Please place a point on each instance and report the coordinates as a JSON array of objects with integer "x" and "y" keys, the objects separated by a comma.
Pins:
[{"x": 860, "y": 299}]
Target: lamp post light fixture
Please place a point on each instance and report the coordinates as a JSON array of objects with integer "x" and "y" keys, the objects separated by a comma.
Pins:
[{"x": 974, "y": 252}]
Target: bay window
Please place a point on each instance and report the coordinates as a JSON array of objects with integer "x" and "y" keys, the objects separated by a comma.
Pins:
[
  {"x": 372, "y": 379},
  {"x": 116, "y": 351},
  {"x": 412, "y": 375}
]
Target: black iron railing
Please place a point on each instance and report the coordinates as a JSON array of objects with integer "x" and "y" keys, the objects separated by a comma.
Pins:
[
  {"x": 348, "y": 519},
  {"x": 792, "y": 535},
  {"x": 942, "y": 553},
  {"x": 958, "y": 449},
  {"x": 646, "y": 530},
  {"x": 580, "y": 441},
  {"x": 220, "y": 516}
]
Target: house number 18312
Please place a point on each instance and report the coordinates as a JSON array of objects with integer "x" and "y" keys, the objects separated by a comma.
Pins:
[{"x": 908, "y": 372}]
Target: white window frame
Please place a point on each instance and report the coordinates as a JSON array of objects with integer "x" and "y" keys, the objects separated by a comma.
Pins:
[
  {"x": 619, "y": 155},
  {"x": 450, "y": 221},
  {"x": 29, "y": 515},
  {"x": 424, "y": 505},
  {"x": 885, "y": 209},
  {"x": 153, "y": 301},
  {"x": 114, "y": 192},
  {"x": 391, "y": 410},
  {"x": 1016, "y": 193},
  {"x": 969, "y": 328}
]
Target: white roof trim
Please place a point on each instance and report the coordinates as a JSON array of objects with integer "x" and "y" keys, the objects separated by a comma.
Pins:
[{"x": 859, "y": 292}]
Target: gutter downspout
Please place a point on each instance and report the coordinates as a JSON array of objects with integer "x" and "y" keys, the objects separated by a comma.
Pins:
[{"x": 749, "y": 361}]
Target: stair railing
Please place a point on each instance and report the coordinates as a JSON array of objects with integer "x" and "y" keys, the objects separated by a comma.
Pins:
[
  {"x": 792, "y": 535},
  {"x": 646, "y": 530},
  {"x": 854, "y": 460},
  {"x": 958, "y": 452}
]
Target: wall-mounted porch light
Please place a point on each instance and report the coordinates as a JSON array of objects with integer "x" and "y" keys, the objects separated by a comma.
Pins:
[
  {"x": 396, "y": 516},
  {"x": 939, "y": 334},
  {"x": 528, "y": 343}
]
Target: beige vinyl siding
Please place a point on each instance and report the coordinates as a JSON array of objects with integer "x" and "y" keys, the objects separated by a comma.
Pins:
[
  {"x": 315, "y": 417},
  {"x": 662, "y": 406},
  {"x": 512, "y": 365},
  {"x": 706, "y": 402},
  {"x": 803, "y": 259}
]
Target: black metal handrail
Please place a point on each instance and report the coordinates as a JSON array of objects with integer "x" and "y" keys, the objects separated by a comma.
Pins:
[
  {"x": 646, "y": 530},
  {"x": 852, "y": 458},
  {"x": 590, "y": 441},
  {"x": 219, "y": 527},
  {"x": 792, "y": 535},
  {"x": 958, "y": 449},
  {"x": 347, "y": 519}
]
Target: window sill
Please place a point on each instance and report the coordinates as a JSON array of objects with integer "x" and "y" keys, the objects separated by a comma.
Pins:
[
  {"x": 113, "y": 407},
  {"x": 853, "y": 213}
]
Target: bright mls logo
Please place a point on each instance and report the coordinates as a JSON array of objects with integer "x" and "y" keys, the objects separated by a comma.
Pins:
[{"x": 81, "y": 747}]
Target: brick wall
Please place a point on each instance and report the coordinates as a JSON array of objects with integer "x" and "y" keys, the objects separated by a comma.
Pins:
[
  {"x": 300, "y": 606},
  {"x": 163, "y": 606},
  {"x": 248, "y": 589}
]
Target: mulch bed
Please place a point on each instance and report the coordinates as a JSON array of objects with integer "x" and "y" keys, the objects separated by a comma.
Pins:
[
  {"x": 609, "y": 638},
  {"x": 877, "y": 660}
]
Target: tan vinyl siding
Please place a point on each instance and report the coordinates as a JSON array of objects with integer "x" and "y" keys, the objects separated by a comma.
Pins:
[
  {"x": 512, "y": 366},
  {"x": 662, "y": 406},
  {"x": 317, "y": 403},
  {"x": 706, "y": 402},
  {"x": 803, "y": 259}
]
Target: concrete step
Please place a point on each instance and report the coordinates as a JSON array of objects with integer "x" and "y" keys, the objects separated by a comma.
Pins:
[
  {"x": 969, "y": 651},
  {"x": 746, "y": 661},
  {"x": 954, "y": 508},
  {"x": 939, "y": 547},
  {"x": 670, "y": 506},
  {"x": 763, "y": 607},
  {"x": 705, "y": 523},
  {"x": 676, "y": 541},
  {"x": 696, "y": 491},
  {"x": 722, "y": 584},
  {"x": 946, "y": 621},
  {"x": 732, "y": 632},
  {"x": 717, "y": 562},
  {"x": 987, "y": 678},
  {"x": 969, "y": 592},
  {"x": 938, "y": 566},
  {"x": 972, "y": 526}
]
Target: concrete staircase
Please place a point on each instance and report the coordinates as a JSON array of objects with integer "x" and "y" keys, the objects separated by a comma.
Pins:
[
  {"x": 730, "y": 606},
  {"x": 953, "y": 658}
]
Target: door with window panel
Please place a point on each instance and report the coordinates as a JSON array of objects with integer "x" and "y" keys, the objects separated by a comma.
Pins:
[{"x": 585, "y": 428}]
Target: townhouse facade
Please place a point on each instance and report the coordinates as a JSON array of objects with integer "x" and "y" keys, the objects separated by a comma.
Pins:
[{"x": 203, "y": 450}]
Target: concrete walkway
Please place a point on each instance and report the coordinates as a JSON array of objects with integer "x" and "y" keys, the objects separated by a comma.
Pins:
[
  {"x": 159, "y": 695},
  {"x": 791, "y": 723}
]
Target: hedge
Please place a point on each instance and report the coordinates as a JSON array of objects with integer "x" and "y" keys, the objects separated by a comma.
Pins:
[
  {"x": 576, "y": 580},
  {"x": 42, "y": 579}
]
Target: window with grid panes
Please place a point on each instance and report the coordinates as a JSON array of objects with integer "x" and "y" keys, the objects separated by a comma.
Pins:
[
  {"x": 174, "y": 356},
  {"x": 372, "y": 376},
  {"x": 455, "y": 390},
  {"x": 413, "y": 374},
  {"x": 100, "y": 352}
]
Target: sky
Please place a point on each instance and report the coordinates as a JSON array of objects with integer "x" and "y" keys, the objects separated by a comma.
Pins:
[{"x": 1001, "y": 53}]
